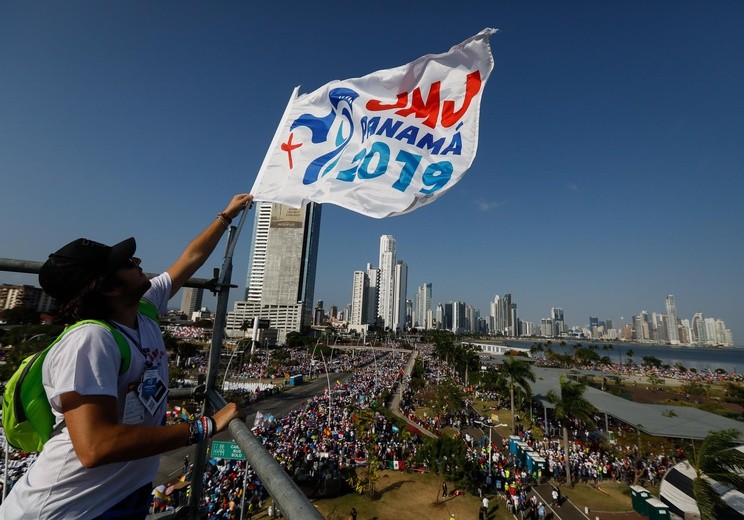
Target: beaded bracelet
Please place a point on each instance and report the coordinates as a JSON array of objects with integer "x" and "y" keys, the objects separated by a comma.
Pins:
[{"x": 202, "y": 428}]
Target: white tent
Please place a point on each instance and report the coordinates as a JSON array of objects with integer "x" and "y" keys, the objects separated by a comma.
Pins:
[{"x": 676, "y": 492}]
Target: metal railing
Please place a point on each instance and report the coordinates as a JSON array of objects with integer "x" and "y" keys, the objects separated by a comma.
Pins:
[{"x": 285, "y": 492}]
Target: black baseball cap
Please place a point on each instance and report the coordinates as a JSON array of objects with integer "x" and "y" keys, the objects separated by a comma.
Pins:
[{"x": 67, "y": 270}]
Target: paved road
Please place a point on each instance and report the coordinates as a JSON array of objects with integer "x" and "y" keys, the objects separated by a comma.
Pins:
[
  {"x": 278, "y": 405},
  {"x": 567, "y": 510}
]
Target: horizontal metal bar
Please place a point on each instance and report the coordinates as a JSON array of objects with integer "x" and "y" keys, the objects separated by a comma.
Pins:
[
  {"x": 31, "y": 267},
  {"x": 285, "y": 492}
]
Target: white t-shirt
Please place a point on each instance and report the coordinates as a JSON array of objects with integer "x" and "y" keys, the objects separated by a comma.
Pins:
[{"x": 87, "y": 361}]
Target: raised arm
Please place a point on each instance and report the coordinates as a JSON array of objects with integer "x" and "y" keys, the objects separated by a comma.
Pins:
[{"x": 197, "y": 252}]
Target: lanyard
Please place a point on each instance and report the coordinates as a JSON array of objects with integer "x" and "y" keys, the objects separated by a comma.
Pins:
[{"x": 131, "y": 338}]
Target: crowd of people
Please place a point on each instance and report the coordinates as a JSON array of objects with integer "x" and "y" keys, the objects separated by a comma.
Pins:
[{"x": 318, "y": 440}]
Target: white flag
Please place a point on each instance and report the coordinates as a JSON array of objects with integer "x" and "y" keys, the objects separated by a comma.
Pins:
[{"x": 383, "y": 144}]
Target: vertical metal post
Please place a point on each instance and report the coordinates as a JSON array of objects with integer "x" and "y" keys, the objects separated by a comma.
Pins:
[
  {"x": 223, "y": 294},
  {"x": 5, "y": 478},
  {"x": 490, "y": 447},
  {"x": 245, "y": 486}
]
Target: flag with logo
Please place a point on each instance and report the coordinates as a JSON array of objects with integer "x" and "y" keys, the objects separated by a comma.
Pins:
[{"x": 383, "y": 144}]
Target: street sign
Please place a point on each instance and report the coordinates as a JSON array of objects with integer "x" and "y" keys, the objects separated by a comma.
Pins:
[{"x": 226, "y": 450}]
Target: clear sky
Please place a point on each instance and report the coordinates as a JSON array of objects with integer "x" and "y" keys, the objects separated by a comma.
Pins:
[{"x": 610, "y": 169}]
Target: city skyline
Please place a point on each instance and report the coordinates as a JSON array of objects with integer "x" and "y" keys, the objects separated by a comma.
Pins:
[
  {"x": 384, "y": 289},
  {"x": 601, "y": 125}
]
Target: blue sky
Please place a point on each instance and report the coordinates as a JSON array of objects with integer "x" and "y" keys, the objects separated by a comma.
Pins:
[{"x": 609, "y": 170}]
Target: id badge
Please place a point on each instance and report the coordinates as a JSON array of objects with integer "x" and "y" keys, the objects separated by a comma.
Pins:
[
  {"x": 152, "y": 390},
  {"x": 134, "y": 410}
]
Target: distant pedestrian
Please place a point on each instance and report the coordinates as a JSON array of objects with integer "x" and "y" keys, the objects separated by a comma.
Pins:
[
  {"x": 444, "y": 488},
  {"x": 484, "y": 508},
  {"x": 352, "y": 514}
]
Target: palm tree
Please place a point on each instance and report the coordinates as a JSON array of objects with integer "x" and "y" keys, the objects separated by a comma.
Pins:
[
  {"x": 520, "y": 373},
  {"x": 571, "y": 405},
  {"x": 717, "y": 459}
]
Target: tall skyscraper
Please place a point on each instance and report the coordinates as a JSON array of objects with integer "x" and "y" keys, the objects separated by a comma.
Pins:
[
  {"x": 698, "y": 328},
  {"x": 359, "y": 298},
  {"x": 504, "y": 318},
  {"x": 459, "y": 323},
  {"x": 387, "y": 294},
  {"x": 281, "y": 273},
  {"x": 447, "y": 320},
  {"x": 422, "y": 305},
  {"x": 492, "y": 315},
  {"x": 372, "y": 295},
  {"x": 192, "y": 300},
  {"x": 400, "y": 295},
  {"x": 556, "y": 313},
  {"x": 671, "y": 322}
]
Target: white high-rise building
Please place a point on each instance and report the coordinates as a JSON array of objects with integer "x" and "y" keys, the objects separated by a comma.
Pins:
[
  {"x": 503, "y": 318},
  {"x": 422, "y": 306},
  {"x": 711, "y": 336},
  {"x": 440, "y": 316},
  {"x": 492, "y": 315},
  {"x": 400, "y": 296},
  {"x": 459, "y": 323},
  {"x": 698, "y": 328},
  {"x": 386, "y": 287},
  {"x": 471, "y": 319},
  {"x": 671, "y": 321},
  {"x": 359, "y": 298}
]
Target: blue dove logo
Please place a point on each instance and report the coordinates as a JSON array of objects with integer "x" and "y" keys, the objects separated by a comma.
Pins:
[{"x": 342, "y": 100}]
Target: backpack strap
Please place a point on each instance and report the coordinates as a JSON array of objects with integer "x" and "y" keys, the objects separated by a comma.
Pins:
[
  {"x": 147, "y": 308},
  {"x": 121, "y": 341}
]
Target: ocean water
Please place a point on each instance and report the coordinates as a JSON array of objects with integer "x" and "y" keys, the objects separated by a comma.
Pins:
[{"x": 700, "y": 358}]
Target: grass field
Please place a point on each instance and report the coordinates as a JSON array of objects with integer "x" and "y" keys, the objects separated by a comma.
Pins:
[
  {"x": 608, "y": 496},
  {"x": 406, "y": 496},
  {"x": 415, "y": 496}
]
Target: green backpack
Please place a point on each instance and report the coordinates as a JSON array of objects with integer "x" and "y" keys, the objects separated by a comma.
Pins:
[{"x": 28, "y": 420}]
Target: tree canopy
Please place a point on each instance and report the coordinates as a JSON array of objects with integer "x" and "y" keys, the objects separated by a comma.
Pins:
[{"x": 717, "y": 459}]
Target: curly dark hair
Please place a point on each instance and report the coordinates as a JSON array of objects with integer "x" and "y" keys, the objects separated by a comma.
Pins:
[{"x": 90, "y": 303}]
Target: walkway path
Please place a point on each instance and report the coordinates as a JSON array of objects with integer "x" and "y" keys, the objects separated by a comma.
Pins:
[{"x": 395, "y": 405}]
